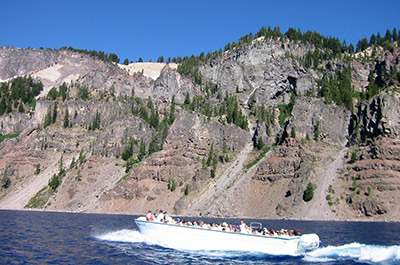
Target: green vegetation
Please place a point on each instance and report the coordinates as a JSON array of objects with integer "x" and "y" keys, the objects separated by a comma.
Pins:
[
  {"x": 353, "y": 158},
  {"x": 317, "y": 131},
  {"x": 95, "y": 124},
  {"x": 37, "y": 169},
  {"x": 40, "y": 199},
  {"x": 369, "y": 191},
  {"x": 285, "y": 110},
  {"x": 5, "y": 181},
  {"x": 66, "y": 122},
  {"x": 61, "y": 93},
  {"x": 171, "y": 184},
  {"x": 19, "y": 93},
  {"x": 186, "y": 189},
  {"x": 226, "y": 109},
  {"x": 293, "y": 134},
  {"x": 111, "y": 57},
  {"x": 8, "y": 136},
  {"x": 337, "y": 88},
  {"x": 56, "y": 179},
  {"x": 83, "y": 92},
  {"x": 259, "y": 157},
  {"x": 51, "y": 115},
  {"x": 308, "y": 192}
]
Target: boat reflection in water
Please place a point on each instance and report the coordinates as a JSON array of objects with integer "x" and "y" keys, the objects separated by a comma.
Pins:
[{"x": 197, "y": 238}]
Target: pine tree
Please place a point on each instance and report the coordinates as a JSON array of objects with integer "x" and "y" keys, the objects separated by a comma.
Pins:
[
  {"x": 388, "y": 35},
  {"x": 142, "y": 150},
  {"x": 172, "y": 111},
  {"x": 372, "y": 40},
  {"x": 66, "y": 119},
  {"x": 395, "y": 35},
  {"x": 154, "y": 119},
  {"x": 47, "y": 118},
  {"x": 3, "y": 106},
  {"x": 187, "y": 99},
  {"x": 54, "y": 117},
  {"x": 210, "y": 155}
]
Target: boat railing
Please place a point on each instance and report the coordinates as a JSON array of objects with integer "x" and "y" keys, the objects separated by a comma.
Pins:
[{"x": 255, "y": 226}]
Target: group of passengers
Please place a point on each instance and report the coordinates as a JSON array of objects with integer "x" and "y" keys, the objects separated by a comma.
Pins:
[{"x": 163, "y": 217}]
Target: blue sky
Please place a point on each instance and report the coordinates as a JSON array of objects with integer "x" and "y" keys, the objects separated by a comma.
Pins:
[{"x": 148, "y": 29}]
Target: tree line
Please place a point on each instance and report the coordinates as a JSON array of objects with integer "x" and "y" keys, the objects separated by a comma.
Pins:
[{"x": 110, "y": 57}]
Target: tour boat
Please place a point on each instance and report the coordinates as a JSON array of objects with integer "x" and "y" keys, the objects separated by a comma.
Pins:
[{"x": 197, "y": 238}]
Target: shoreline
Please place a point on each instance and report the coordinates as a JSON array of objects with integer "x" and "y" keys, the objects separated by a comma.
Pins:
[{"x": 207, "y": 217}]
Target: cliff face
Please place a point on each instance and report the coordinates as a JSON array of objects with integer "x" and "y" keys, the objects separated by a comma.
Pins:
[{"x": 120, "y": 151}]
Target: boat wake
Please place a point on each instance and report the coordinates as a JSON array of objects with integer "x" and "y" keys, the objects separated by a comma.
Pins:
[
  {"x": 373, "y": 254},
  {"x": 356, "y": 252},
  {"x": 126, "y": 236}
]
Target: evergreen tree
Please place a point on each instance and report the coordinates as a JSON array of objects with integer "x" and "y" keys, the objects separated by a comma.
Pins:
[
  {"x": 142, "y": 150},
  {"x": 309, "y": 192},
  {"x": 395, "y": 35},
  {"x": 52, "y": 94},
  {"x": 62, "y": 91},
  {"x": 54, "y": 182},
  {"x": 140, "y": 60},
  {"x": 187, "y": 99},
  {"x": 160, "y": 59},
  {"x": 388, "y": 35},
  {"x": 154, "y": 119},
  {"x": 9, "y": 106},
  {"x": 150, "y": 104},
  {"x": 54, "y": 117},
  {"x": 172, "y": 111},
  {"x": 143, "y": 112},
  {"x": 66, "y": 119},
  {"x": 372, "y": 40},
  {"x": 372, "y": 88},
  {"x": 3, "y": 106},
  {"x": 47, "y": 118},
  {"x": 126, "y": 61},
  {"x": 128, "y": 151},
  {"x": 61, "y": 170},
  {"x": 210, "y": 155}
]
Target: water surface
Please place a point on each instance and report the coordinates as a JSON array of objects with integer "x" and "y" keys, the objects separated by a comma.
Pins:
[{"x": 30, "y": 237}]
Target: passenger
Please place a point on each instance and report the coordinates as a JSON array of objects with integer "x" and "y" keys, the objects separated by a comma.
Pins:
[
  {"x": 160, "y": 216},
  {"x": 149, "y": 216},
  {"x": 297, "y": 232},
  {"x": 195, "y": 224},
  {"x": 167, "y": 218},
  {"x": 242, "y": 226}
]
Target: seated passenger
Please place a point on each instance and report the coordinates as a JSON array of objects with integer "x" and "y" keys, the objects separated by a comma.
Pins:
[
  {"x": 167, "y": 218},
  {"x": 243, "y": 227},
  {"x": 160, "y": 216},
  {"x": 149, "y": 216}
]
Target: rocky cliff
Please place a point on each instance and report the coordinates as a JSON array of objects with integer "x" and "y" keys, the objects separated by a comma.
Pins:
[{"x": 250, "y": 146}]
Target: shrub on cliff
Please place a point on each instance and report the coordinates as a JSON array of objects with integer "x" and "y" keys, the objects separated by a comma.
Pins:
[{"x": 309, "y": 192}]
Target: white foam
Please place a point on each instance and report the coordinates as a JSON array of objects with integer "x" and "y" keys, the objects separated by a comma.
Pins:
[
  {"x": 356, "y": 252},
  {"x": 127, "y": 236}
]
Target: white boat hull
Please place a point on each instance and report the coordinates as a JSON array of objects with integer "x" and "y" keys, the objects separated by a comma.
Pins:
[{"x": 193, "y": 238}]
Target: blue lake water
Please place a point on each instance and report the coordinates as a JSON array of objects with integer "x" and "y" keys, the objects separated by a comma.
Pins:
[{"x": 30, "y": 237}]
